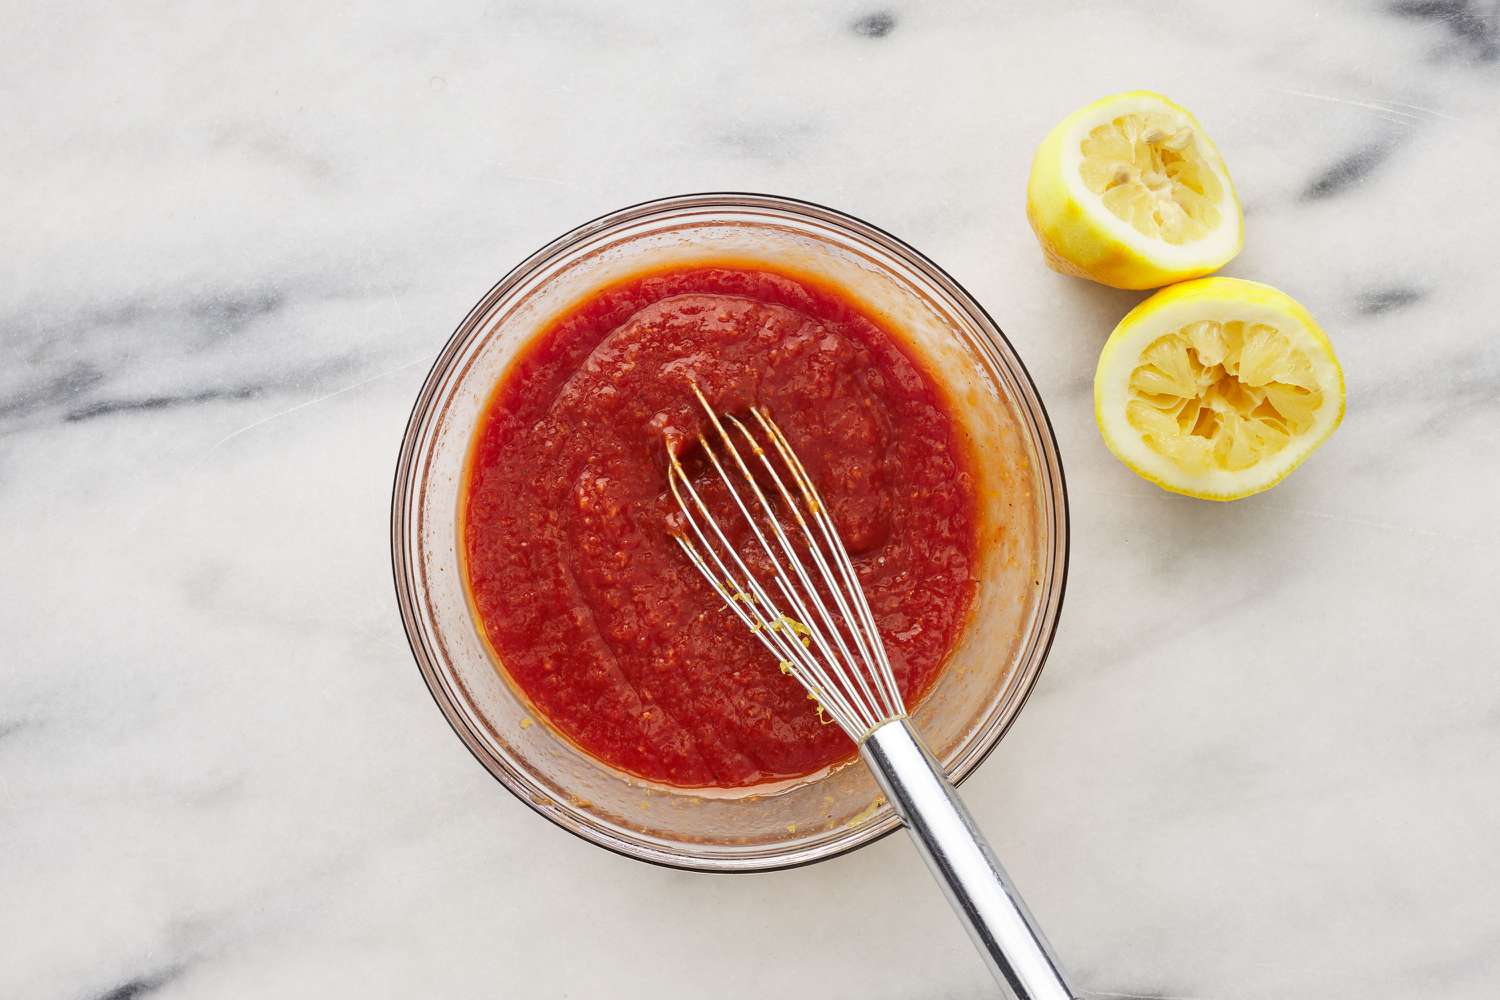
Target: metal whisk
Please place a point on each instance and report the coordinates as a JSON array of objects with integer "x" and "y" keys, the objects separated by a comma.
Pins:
[{"x": 819, "y": 627}]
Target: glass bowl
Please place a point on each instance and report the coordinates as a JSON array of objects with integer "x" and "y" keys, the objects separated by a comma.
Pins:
[{"x": 1023, "y": 524}]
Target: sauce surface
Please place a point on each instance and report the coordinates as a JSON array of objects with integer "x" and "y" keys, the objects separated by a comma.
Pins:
[{"x": 594, "y": 612}]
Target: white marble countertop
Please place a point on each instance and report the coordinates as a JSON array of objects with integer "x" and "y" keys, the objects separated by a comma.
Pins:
[{"x": 1262, "y": 760}]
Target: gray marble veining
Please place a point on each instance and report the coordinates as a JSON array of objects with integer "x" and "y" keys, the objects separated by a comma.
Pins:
[{"x": 1262, "y": 758}]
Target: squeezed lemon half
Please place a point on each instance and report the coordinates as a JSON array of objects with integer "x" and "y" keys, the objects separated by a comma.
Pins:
[
  {"x": 1217, "y": 388},
  {"x": 1129, "y": 191}
]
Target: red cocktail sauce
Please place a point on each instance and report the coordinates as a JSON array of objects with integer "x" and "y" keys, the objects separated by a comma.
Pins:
[{"x": 594, "y": 612}]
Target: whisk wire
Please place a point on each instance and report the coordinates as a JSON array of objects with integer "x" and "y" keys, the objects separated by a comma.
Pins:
[
  {"x": 855, "y": 685},
  {"x": 857, "y": 666},
  {"x": 839, "y": 666},
  {"x": 875, "y": 649},
  {"x": 749, "y": 600},
  {"x": 825, "y": 679}
]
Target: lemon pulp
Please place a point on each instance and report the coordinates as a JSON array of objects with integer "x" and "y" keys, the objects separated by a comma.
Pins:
[
  {"x": 1222, "y": 395},
  {"x": 1146, "y": 170}
]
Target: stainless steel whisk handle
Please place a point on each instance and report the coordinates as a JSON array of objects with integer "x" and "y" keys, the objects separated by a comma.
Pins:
[{"x": 973, "y": 880}]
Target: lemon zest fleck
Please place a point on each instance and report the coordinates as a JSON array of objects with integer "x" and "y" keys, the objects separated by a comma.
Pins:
[
  {"x": 823, "y": 717},
  {"x": 866, "y": 813}
]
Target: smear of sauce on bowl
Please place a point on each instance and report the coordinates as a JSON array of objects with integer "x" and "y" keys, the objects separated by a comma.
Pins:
[{"x": 593, "y": 612}]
